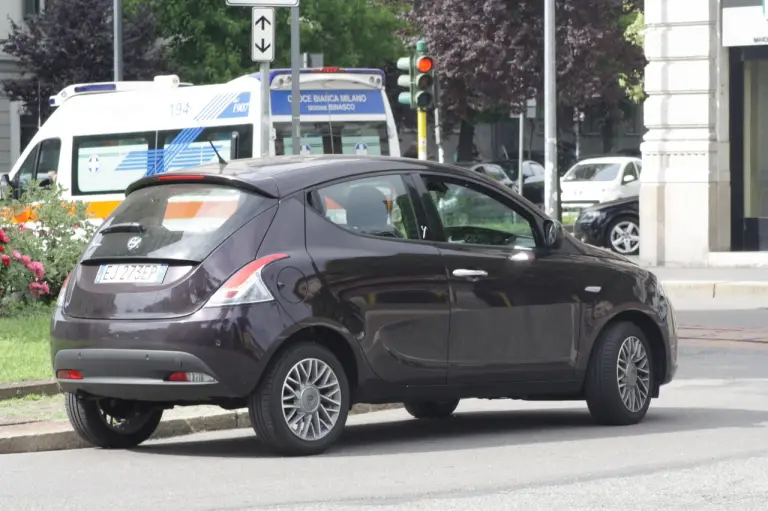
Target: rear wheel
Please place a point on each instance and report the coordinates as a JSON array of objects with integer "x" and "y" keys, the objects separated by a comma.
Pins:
[
  {"x": 620, "y": 376},
  {"x": 623, "y": 236},
  {"x": 301, "y": 406},
  {"x": 431, "y": 409},
  {"x": 112, "y": 423}
]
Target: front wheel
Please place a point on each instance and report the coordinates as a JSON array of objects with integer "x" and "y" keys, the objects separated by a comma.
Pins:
[
  {"x": 301, "y": 406},
  {"x": 620, "y": 376},
  {"x": 112, "y": 423},
  {"x": 623, "y": 236},
  {"x": 431, "y": 409}
]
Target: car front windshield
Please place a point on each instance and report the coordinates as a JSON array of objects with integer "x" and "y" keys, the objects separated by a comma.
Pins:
[{"x": 593, "y": 172}]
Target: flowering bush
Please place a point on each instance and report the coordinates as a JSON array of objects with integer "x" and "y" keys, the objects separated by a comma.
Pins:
[
  {"x": 19, "y": 274},
  {"x": 41, "y": 241}
]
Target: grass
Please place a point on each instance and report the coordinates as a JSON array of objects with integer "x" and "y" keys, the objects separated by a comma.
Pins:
[
  {"x": 34, "y": 407},
  {"x": 24, "y": 348}
]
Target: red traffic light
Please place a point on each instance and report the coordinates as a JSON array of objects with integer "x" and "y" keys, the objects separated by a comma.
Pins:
[{"x": 424, "y": 64}]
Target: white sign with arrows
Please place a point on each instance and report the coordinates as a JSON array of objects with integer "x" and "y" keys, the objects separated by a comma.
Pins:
[{"x": 263, "y": 34}]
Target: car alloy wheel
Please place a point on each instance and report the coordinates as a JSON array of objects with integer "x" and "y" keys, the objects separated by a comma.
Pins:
[
  {"x": 625, "y": 237},
  {"x": 619, "y": 380},
  {"x": 301, "y": 405},
  {"x": 633, "y": 374},
  {"x": 311, "y": 399}
]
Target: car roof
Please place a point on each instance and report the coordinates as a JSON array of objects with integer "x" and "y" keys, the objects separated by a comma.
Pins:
[
  {"x": 608, "y": 159},
  {"x": 280, "y": 176}
]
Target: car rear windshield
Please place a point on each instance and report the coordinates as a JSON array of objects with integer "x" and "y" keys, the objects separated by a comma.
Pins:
[{"x": 174, "y": 222}]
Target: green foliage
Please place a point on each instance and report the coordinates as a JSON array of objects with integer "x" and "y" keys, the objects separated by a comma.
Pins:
[
  {"x": 55, "y": 236},
  {"x": 633, "y": 23},
  {"x": 209, "y": 42}
]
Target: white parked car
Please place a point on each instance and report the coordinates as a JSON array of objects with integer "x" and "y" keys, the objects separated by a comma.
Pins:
[{"x": 597, "y": 180}]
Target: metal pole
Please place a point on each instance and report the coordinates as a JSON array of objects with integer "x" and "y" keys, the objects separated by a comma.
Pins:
[
  {"x": 520, "y": 153},
  {"x": 118, "y": 39},
  {"x": 265, "y": 110},
  {"x": 551, "y": 206},
  {"x": 295, "y": 94},
  {"x": 422, "y": 133},
  {"x": 438, "y": 134}
]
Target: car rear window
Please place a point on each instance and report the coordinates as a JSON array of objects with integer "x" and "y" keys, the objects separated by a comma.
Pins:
[{"x": 175, "y": 222}]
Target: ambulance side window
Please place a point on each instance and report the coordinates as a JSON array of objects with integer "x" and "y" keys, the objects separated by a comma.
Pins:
[{"x": 41, "y": 163}]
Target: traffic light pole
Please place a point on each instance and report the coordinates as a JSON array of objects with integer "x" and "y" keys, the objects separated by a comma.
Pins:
[{"x": 422, "y": 132}]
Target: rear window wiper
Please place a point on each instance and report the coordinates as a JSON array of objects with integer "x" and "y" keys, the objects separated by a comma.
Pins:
[{"x": 124, "y": 227}]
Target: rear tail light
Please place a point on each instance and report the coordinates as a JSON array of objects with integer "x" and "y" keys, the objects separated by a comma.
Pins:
[
  {"x": 246, "y": 286},
  {"x": 192, "y": 377},
  {"x": 68, "y": 374},
  {"x": 63, "y": 292}
]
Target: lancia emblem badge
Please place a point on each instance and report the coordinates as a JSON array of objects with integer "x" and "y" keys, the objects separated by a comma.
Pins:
[{"x": 134, "y": 243}]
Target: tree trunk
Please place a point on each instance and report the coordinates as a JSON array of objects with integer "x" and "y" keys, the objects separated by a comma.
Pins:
[
  {"x": 466, "y": 141},
  {"x": 607, "y": 133}
]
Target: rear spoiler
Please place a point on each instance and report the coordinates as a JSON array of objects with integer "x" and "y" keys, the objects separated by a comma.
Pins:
[{"x": 265, "y": 187}]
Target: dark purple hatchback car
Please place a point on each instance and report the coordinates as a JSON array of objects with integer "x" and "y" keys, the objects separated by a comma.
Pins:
[{"x": 297, "y": 287}]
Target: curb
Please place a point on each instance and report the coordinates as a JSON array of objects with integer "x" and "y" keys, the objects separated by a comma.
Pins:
[
  {"x": 15, "y": 390},
  {"x": 58, "y": 436},
  {"x": 716, "y": 288}
]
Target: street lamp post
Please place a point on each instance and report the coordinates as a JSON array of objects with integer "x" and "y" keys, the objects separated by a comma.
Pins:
[
  {"x": 117, "y": 15},
  {"x": 551, "y": 181}
]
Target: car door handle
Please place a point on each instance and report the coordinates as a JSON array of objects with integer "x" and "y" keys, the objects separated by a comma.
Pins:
[{"x": 469, "y": 273}]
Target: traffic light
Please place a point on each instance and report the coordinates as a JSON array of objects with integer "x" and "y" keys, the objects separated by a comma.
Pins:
[
  {"x": 406, "y": 81},
  {"x": 424, "y": 82},
  {"x": 419, "y": 79}
]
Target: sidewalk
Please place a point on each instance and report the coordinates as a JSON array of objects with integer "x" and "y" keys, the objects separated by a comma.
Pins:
[{"x": 714, "y": 282}]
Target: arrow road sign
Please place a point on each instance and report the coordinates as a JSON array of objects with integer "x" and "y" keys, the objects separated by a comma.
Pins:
[
  {"x": 263, "y": 34},
  {"x": 263, "y": 3}
]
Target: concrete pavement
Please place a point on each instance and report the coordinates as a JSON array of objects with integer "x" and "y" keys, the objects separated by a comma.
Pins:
[{"x": 702, "y": 446}]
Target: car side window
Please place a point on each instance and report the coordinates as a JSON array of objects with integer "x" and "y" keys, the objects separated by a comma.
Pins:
[
  {"x": 629, "y": 170},
  {"x": 639, "y": 167},
  {"x": 27, "y": 169},
  {"x": 376, "y": 206},
  {"x": 494, "y": 173},
  {"x": 48, "y": 162},
  {"x": 472, "y": 215}
]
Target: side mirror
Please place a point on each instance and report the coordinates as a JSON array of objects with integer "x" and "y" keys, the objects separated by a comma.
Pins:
[
  {"x": 628, "y": 178},
  {"x": 553, "y": 234}
]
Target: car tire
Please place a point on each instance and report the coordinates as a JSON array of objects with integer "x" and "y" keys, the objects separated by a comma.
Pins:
[
  {"x": 610, "y": 383},
  {"x": 431, "y": 409},
  {"x": 270, "y": 418},
  {"x": 612, "y": 226},
  {"x": 87, "y": 419}
]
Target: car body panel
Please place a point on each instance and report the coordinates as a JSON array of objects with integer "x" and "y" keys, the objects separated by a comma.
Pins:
[
  {"x": 592, "y": 224},
  {"x": 411, "y": 327}
]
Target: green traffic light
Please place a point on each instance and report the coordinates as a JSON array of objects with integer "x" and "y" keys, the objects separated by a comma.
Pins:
[
  {"x": 404, "y": 98},
  {"x": 423, "y": 100}
]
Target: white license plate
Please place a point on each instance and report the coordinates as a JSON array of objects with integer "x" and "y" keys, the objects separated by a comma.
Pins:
[{"x": 131, "y": 273}]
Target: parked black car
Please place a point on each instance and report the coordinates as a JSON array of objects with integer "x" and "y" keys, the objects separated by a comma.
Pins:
[
  {"x": 298, "y": 286},
  {"x": 614, "y": 225}
]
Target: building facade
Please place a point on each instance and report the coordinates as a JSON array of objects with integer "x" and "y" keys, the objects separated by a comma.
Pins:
[
  {"x": 16, "y": 129},
  {"x": 704, "y": 194}
]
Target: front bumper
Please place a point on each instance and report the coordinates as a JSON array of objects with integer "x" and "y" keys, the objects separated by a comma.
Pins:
[
  {"x": 132, "y": 359},
  {"x": 588, "y": 232}
]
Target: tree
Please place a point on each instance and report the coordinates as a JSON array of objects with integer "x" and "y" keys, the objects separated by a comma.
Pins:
[
  {"x": 71, "y": 42},
  {"x": 490, "y": 55},
  {"x": 210, "y": 42},
  {"x": 633, "y": 23}
]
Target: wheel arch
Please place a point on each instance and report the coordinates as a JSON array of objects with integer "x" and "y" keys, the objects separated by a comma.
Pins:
[
  {"x": 653, "y": 334},
  {"x": 330, "y": 337}
]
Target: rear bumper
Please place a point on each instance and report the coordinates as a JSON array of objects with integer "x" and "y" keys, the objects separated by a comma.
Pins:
[
  {"x": 133, "y": 359},
  {"x": 137, "y": 375}
]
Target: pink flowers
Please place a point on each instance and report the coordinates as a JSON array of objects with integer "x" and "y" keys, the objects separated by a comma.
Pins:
[
  {"x": 39, "y": 289},
  {"x": 37, "y": 269}
]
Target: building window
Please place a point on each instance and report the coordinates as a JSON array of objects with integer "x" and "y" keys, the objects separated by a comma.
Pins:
[{"x": 31, "y": 7}]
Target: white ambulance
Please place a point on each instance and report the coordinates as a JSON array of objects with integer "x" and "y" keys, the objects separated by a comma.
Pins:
[{"x": 103, "y": 136}]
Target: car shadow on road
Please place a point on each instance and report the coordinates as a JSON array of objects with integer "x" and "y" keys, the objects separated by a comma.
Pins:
[{"x": 478, "y": 430}]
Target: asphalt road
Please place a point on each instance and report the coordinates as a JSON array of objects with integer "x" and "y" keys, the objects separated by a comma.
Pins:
[{"x": 703, "y": 445}]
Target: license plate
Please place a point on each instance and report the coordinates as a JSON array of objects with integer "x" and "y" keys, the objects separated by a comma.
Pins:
[{"x": 131, "y": 273}]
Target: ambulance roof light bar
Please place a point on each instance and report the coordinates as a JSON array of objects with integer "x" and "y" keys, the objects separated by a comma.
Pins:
[{"x": 162, "y": 81}]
